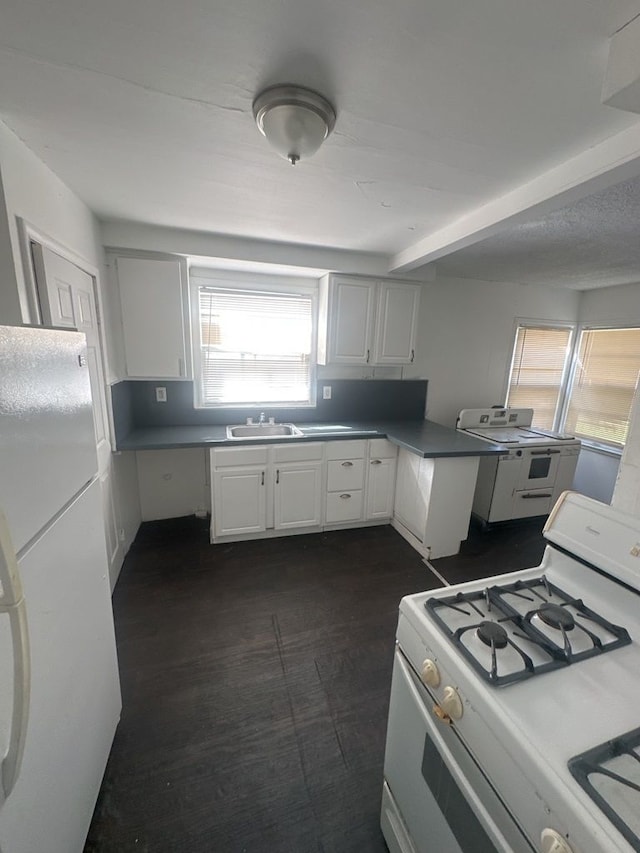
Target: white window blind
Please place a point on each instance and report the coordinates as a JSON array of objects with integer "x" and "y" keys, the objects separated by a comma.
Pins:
[
  {"x": 537, "y": 371},
  {"x": 255, "y": 347},
  {"x": 603, "y": 386}
]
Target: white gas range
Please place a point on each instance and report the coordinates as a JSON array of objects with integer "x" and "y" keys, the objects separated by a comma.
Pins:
[
  {"x": 514, "y": 722},
  {"x": 536, "y": 467}
]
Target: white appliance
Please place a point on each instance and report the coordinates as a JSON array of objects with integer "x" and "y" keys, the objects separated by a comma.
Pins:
[
  {"x": 514, "y": 715},
  {"x": 60, "y": 698},
  {"x": 527, "y": 479}
]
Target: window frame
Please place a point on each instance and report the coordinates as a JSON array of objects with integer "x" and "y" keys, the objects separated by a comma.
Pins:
[
  {"x": 567, "y": 372},
  {"x": 592, "y": 443},
  {"x": 258, "y": 282}
]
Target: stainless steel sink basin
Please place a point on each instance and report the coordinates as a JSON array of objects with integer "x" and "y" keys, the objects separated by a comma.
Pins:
[{"x": 263, "y": 431}]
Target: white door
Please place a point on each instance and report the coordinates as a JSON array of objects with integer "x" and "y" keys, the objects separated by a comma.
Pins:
[
  {"x": 239, "y": 504},
  {"x": 67, "y": 299},
  {"x": 352, "y": 315},
  {"x": 298, "y": 495},
  {"x": 381, "y": 488},
  {"x": 397, "y": 323}
]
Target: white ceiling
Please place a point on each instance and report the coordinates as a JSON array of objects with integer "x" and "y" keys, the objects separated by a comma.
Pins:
[{"x": 444, "y": 106}]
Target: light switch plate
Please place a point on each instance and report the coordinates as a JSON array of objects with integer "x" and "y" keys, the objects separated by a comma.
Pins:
[
  {"x": 326, "y": 392},
  {"x": 161, "y": 395}
]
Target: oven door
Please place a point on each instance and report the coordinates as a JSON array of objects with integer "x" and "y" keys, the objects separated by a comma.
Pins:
[
  {"x": 539, "y": 468},
  {"x": 444, "y": 800}
]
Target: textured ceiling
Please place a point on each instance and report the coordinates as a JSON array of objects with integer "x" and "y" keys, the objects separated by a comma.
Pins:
[
  {"x": 593, "y": 243},
  {"x": 144, "y": 109}
]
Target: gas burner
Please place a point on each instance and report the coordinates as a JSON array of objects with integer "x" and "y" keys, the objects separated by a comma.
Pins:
[
  {"x": 555, "y": 617},
  {"x": 511, "y": 632},
  {"x": 492, "y": 634}
]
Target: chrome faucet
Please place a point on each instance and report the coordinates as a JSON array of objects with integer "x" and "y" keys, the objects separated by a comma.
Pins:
[{"x": 262, "y": 418}]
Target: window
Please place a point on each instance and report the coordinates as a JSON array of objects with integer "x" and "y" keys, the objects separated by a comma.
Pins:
[
  {"x": 603, "y": 385},
  {"x": 254, "y": 347},
  {"x": 538, "y": 368}
]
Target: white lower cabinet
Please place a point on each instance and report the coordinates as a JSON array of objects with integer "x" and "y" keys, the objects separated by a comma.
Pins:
[
  {"x": 345, "y": 481},
  {"x": 381, "y": 479},
  {"x": 240, "y": 502},
  {"x": 297, "y": 495},
  {"x": 262, "y": 489},
  {"x": 270, "y": 490}
]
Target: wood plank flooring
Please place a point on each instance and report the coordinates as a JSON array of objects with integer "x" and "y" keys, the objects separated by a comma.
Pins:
[{"x": 255, "y": 680}]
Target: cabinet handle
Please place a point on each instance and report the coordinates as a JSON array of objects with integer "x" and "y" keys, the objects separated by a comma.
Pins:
[
  {"x": 345, "y": 496},
  {"x": 278, "y": 476},
  {"x": 376, "y": 462},
  {"x": 262, "y": 483},
  {"x": 347, "y": 464},
  {"x": 368, "y": 354},
  {"x": 413, "y": 354}
]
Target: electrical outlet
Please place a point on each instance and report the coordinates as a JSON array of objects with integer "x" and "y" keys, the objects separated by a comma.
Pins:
[
  {"x": 326, "y": 392},
  {"x": 161, "y": 395}
]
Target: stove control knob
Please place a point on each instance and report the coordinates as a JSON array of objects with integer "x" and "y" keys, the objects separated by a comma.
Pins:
[
  {"x": 451, "y": 703},
  {"x": 430, "y": 673},
  {"x": 552, "y": 842}
]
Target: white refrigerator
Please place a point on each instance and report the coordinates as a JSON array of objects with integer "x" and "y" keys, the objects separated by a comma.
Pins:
[{"x": 59, "y": 688}]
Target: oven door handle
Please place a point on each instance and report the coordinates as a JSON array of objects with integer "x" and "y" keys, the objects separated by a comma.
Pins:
[{"x": 433, "y": 729}]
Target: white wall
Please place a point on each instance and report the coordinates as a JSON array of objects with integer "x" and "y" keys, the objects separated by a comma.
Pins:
[
  {"x": 34, "y": 193},
  {"x": 466, "y": 336}
]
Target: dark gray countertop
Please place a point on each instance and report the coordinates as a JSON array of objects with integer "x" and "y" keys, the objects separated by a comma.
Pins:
[{"x": 424, "y": 438}]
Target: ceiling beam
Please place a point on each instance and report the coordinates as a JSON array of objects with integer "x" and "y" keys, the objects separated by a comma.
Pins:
[{"x": 603, "y": 165}]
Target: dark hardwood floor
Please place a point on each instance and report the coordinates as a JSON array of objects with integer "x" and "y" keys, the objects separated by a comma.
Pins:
[{"x": 255, "y": 682}]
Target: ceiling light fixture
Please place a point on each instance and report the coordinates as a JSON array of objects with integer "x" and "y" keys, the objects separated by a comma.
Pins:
[{"x": 295, "y": 120}]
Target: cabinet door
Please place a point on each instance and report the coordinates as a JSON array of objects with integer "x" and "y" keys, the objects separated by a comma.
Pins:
[
  {"x": 239, "y": 504},
  {"x": 381, "y": 488},
  {"x": 351, "y": 322},
  {"x": 154, "y": 318},
  {"x": 397, "y": 323},
  {"x": 297, "y": 495}
]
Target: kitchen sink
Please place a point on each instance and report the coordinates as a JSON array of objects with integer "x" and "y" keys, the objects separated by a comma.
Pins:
[{"x": 263, "y": 431}]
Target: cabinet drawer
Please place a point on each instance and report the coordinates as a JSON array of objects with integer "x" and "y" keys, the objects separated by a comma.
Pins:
[
  {"x": 381, "y": 448},
  {"x": 345, "y": 474},
  {"x": 532, "y": 502},
  {"x": 233, "y": 456},
  {"x": 346, "y": 449},
  {"x": 300, "y": 452},
  {"x": 344, "y": 506}
]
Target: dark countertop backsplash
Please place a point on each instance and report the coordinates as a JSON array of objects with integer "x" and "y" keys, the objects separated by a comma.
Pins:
[{"x": 135, "y": 406}]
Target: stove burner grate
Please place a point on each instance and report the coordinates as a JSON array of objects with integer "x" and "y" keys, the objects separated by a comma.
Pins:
[
  {"x": 494, "y": 620},
  {"x": 610, "y": 775}
]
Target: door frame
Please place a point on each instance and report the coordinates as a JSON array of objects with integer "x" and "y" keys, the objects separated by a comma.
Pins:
[{"x": 29, "y": 233}]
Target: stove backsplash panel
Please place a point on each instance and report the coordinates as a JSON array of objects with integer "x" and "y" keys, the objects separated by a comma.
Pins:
[{"x": 135, "y": 406}]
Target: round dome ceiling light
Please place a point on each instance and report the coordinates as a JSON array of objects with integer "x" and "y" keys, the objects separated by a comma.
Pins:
[{"x": 295, "y": 120}]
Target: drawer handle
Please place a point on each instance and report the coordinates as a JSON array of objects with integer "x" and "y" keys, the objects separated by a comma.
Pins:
[
  {"x": 345, "y": 496},
  {"x": 376, "y": 462},
  {"x": 534, "y": 497},
  {"x": 347, "y": 464}
]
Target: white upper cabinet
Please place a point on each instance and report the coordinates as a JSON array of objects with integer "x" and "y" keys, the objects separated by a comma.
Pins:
[
  {"x": 155, "y": 318},
  {"x": 362, "y": 321},
  {"x": 396, "y": 323}
]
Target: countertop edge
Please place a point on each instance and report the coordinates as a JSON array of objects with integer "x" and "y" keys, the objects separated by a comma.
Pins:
[{"x": 423, "y": 438}]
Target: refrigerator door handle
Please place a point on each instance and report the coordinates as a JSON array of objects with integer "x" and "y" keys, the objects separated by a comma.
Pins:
[{"x": 12, "y": 603}]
